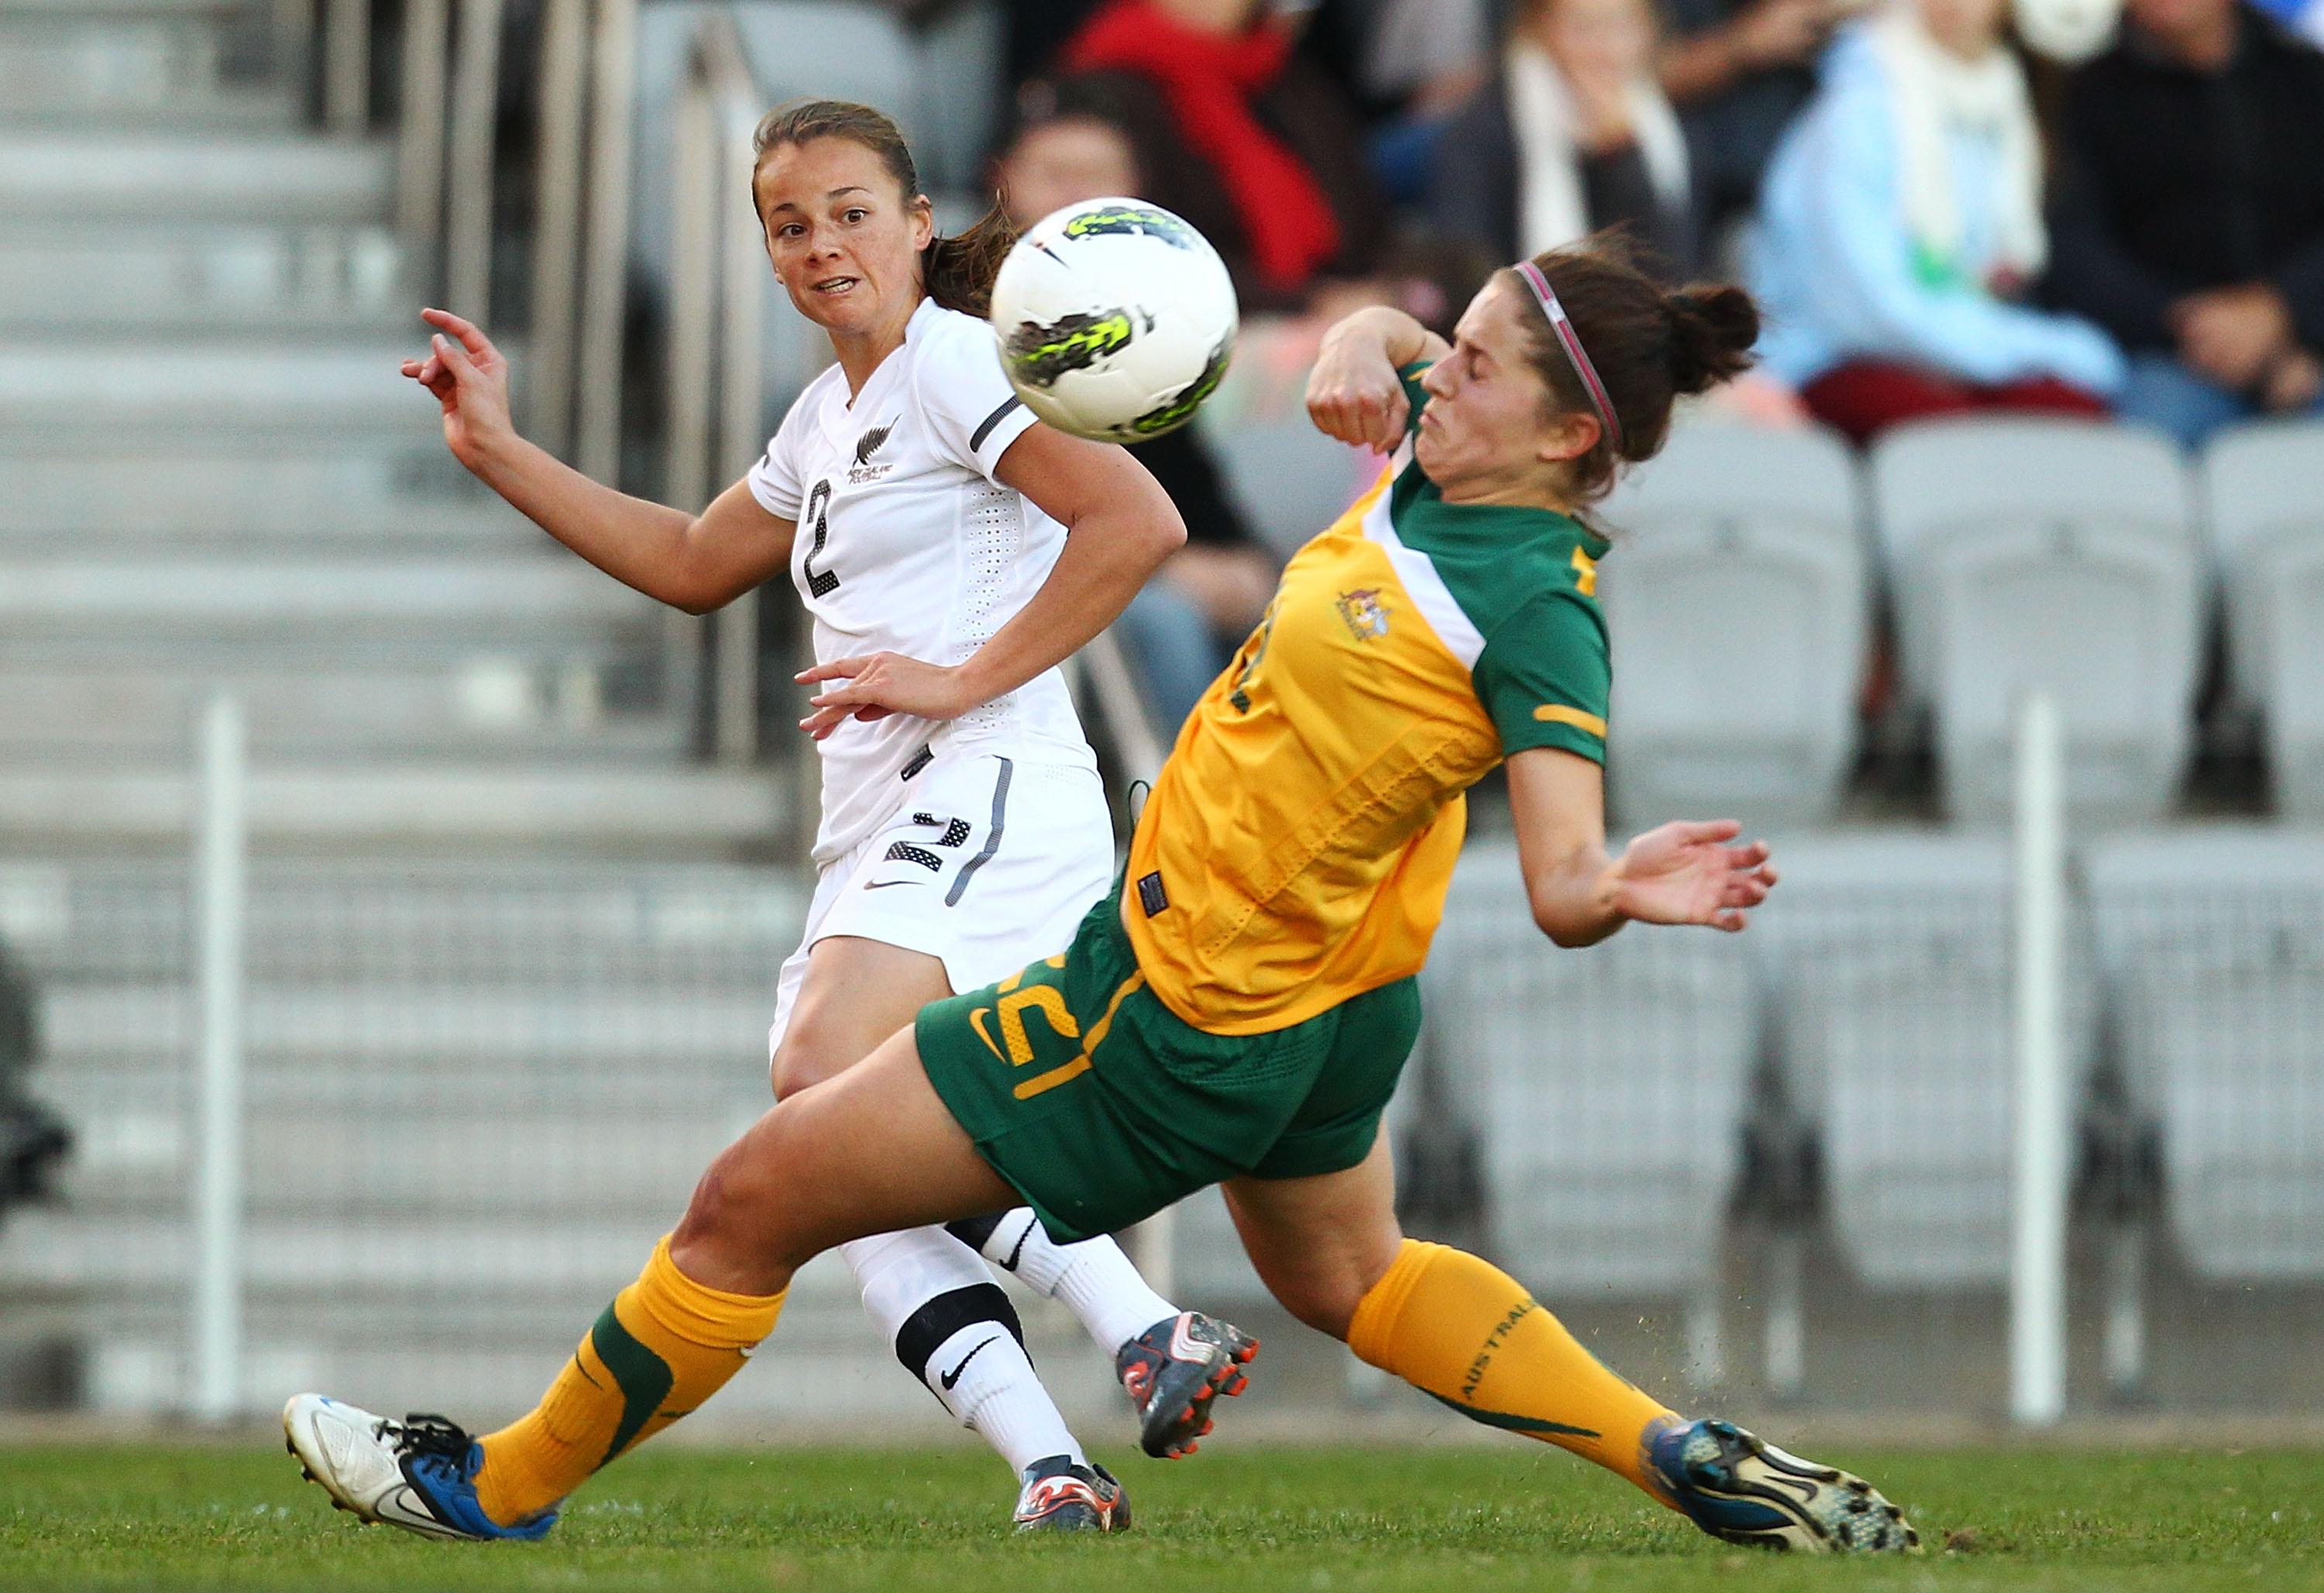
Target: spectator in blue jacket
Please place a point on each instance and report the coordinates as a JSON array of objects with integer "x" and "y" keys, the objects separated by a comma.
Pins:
[{"x": 1901, "y": 224}]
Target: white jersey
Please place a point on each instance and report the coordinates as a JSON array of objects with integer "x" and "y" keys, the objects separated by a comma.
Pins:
[{"x": 907, "y": 544}]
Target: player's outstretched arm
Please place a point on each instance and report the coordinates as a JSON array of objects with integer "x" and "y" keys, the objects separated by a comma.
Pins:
[
  {"x": 1681, "y": 874},
  {"x": 694, "y": 563},
  {"x": 1354, "y": 393}
]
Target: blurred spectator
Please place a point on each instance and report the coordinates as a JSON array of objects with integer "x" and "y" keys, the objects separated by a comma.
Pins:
[
  {"x": 1271, "y": 141},
  {"x": 2191, "y": 224},
  {"x": 1085, "y": 138},
  {"x": 2304, "y": 17},
  {"x": 1902, "y": 218},
  {"x": 1038, "y": 30},
  {"x": 1738, "y": 71},
  {"x": 1571, "y": 136},
  {"x": 1401, "y": 56}
]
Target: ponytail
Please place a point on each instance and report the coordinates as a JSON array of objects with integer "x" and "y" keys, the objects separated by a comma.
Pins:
[
  {"x": 958, "y": 272},
  {"x": 1713, "y": 326}
]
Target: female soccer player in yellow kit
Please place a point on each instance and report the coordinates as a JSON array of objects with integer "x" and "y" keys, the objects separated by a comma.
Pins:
[{"x": 1238, "y": 1011}]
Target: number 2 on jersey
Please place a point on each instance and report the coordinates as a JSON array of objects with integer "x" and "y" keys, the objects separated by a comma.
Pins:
[{"x": 820, "y": 583}]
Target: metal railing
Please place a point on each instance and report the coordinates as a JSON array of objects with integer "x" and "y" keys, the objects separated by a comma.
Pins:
[{"x": 718, "y": 269}]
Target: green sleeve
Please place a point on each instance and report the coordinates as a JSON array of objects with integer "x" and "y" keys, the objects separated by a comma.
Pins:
[
  {"x": 1415, "y": 395},
  {"x": 1545, "y": 677}
]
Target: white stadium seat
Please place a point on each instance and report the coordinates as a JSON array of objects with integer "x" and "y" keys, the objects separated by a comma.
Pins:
[
  {"x": 1607, "y": 1087},
  {"x": 2212, "y": 943},
  {"x": 1290, "y": 479},
  {"x": 1887, "y": 960},
  {"x": 2051, "y": 553},
  {"x": 2261, "y": 484},
  {"x": 1758, "y": 719}
]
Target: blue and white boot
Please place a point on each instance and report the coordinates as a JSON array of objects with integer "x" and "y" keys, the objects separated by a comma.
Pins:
[
  {"x": 419, "y": 1474},
  {"x": 1740, "y": 1487}
]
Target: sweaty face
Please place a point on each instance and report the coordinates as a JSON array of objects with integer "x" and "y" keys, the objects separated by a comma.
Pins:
[
  {"x": 845, "y": 243},
  {"x": 1063, "y": 162},
  {"x": 1483, "y": 430}
]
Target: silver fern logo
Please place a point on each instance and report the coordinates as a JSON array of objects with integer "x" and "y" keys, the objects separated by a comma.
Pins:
[{"x": 870, "y": 443}]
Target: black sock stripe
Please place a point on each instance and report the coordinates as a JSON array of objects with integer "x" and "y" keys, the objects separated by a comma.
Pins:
[
  {"x": 973, "y": 1231},
  {"x": 926, "y": 1330}
]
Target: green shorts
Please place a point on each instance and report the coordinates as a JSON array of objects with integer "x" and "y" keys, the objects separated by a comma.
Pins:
[{"x": 1102, "y": 1106}]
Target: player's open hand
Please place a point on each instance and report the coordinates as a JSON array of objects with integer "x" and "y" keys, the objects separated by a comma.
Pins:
[
  {"x": 1692, "y": 874},
  {"x": 878, "y": 684},
  {"x": 1354, "y": 395},
  {"x": 470, "y": 378}
]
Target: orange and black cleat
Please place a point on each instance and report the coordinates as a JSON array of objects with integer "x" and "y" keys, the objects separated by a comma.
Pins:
[{"x": 1173, "y": 1372}]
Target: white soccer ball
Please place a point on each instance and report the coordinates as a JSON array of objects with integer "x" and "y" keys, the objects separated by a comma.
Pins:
[{"x": 1115, "y": 320}]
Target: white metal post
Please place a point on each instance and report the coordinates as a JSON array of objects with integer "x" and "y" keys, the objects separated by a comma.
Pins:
[
  {"x": 2037, "y": 1263},
  {"x": 222, "y": 891}
]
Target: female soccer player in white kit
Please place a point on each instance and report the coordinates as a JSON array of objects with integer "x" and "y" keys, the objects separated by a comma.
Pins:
[{"x": 922, "y": 514}]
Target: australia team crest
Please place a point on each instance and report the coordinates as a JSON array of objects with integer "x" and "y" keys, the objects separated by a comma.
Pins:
[{"x": 1365, "y": 615}]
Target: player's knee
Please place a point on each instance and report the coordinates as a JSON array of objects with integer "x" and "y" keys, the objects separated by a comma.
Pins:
[
  {"x": 738, "y": 1204},
  {"x": 812, "y": 1051},
  {"x": 1323, "y": 1299}
]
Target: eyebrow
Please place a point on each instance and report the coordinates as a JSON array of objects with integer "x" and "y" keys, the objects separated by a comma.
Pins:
[{"x": 834, "y": 193}]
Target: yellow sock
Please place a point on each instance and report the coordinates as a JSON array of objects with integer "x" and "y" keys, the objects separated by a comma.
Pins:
[
  {"x": 1465, "y": 1331},
  {"x": 664, "y": 1346}
]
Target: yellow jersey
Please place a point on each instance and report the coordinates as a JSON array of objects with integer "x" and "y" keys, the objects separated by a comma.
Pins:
[{"x": 1299, "y": 840}]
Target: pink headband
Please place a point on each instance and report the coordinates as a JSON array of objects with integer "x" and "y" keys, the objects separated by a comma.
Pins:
[{"x": 1570, "y": 341}]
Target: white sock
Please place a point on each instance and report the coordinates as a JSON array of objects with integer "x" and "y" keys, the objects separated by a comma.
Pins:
[
  {"x": 1094, "y": 1278},
  {"x": 955, "y": 1331}
]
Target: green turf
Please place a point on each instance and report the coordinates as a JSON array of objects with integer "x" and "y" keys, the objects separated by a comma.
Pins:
[{"x": 1475, "y": 1520}]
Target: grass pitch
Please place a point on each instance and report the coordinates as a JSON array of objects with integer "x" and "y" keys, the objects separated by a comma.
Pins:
[{"x": 1338, "y": 1519}]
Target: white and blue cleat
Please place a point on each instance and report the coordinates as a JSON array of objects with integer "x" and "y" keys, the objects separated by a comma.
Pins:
[
  {"x": 1741, "y": 1489},
  {"x": 419, "y": 1474}
]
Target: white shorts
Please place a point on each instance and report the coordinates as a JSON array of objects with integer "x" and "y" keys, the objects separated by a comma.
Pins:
[{"x": 990, "y": 863}]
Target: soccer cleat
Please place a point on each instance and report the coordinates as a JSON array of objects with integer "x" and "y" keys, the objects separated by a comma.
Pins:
[
  {"x": 1746, "y": 1490},
  {"x": 1173, "y": 1370},
  {"x": 419, "y": 1474},
  {"x": 1060, "y": 1497}
]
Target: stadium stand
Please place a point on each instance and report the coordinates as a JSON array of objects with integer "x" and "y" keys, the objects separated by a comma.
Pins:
[
  {"x": 215, "y": 476},
  {"x": 1606, "y": 1088},
  {"x": 1758, "y": 721},
  {"x": 2267, "y": 527},
  {"x": 2211, "y": 944},
  {"x": 1290, "y": 480},
  {"x": 2052, "y": 552},
  {"x": 1886, "y": 962}
]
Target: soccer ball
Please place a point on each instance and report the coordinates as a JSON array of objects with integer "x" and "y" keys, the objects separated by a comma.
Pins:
[{"x": 1115, "y": 320}]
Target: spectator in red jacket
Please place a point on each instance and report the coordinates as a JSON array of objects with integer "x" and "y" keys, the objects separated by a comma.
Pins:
[{"x": 1278, "y": 180}]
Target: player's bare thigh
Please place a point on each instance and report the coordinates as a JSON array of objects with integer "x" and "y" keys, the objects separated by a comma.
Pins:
[
  {"x": 856, "y": 993},
  {"x": 1320, "y": 1244},
  {"x": 869, "y": 1151}
]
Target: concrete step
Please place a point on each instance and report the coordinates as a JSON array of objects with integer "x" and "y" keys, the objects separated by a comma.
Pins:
[
  {"x": 519, "y": 923},
  {"x": 78, "y": 388},
  {"x": 531, "y": 601},
  {"x": 56, "y": 61},
  {"x": 14, "y": 11},
  {"x": 215, "y": 278},
  {"x": 147, "y": 176},
  {"x": 400, "y": 491},
  {"x": 340, "y": 805},
  {"x": 491, "y": 704}
]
